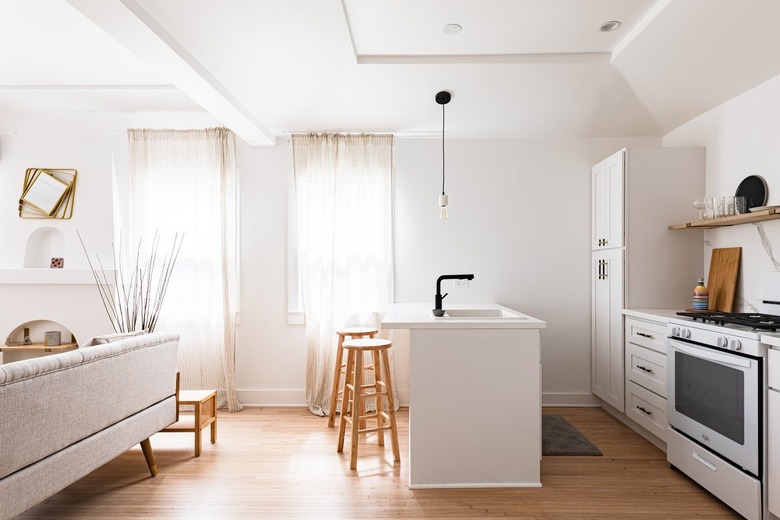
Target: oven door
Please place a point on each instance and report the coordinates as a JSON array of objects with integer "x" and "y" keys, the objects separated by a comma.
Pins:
[{"x": 713, "y": 398}]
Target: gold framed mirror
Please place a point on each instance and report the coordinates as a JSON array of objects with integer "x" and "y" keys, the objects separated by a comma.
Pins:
[{"x": 48, "y": 193}]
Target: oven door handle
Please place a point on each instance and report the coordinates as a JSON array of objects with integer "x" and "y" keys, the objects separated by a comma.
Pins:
[{"x": 722, "y": 359}]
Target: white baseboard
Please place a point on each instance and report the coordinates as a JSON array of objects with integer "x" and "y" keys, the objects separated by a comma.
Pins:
[
  {"x": 570, "y": 399},
  {"x": 273, "y": 398}
]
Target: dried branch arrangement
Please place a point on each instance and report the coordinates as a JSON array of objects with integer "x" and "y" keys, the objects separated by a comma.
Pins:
[{"x": 134, "y": 299}]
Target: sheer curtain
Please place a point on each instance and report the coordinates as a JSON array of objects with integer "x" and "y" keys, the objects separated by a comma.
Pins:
[
  {"x": 343, "y": 192},
  {"x": 186, "y": 181}
]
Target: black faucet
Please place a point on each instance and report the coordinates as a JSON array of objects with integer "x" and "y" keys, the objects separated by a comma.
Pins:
[{"x": 437, "y": 310}]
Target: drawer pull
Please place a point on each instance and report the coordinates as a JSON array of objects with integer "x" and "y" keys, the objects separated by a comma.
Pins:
[
  {"x": 649, "y": 336},
  {"x": 705, "y": 462},
  {"x": 645, "y": 411},
  {"x": 645, "y": 369}
]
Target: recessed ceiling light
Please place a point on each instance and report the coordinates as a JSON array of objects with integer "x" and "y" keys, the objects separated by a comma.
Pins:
[
  {"x": 610, "y": 26},
  {"x": 451, "y": 28}
]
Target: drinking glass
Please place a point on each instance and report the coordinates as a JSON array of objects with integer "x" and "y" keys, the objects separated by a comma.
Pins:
[
  {"x": 740, "y": 204},
  {"x": 700, "y": 203},
  {"x": 709, "y": 210},
  {"x": 719, "y": 206},
  {"x": 728, "y": 206}
]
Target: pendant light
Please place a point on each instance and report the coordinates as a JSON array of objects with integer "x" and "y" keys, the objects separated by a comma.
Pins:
[{"x": 442, "y": 98}]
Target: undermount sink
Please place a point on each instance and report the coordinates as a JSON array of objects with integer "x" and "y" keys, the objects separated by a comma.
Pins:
[{"x": 471, "y": 314}]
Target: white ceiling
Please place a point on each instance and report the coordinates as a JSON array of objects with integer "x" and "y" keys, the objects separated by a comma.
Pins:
[{"x": 518, "y": 69}]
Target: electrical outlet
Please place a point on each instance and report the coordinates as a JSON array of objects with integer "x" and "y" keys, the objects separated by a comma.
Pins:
[{"x": 461, "y": 283}]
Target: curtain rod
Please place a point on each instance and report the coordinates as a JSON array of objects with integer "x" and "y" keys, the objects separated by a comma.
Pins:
[{"x": 396, "y": 135}]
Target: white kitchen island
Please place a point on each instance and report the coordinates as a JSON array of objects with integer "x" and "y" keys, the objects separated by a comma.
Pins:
[{"x": 475, "y": 404}]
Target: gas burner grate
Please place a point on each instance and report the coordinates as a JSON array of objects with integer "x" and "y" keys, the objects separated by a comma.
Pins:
[{"x": 757, "y": 321}]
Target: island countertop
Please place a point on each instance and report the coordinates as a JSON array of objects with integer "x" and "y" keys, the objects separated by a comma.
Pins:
[{"x": 419, "y": 316}]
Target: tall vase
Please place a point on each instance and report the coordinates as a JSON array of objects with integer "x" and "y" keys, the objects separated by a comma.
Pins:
[{"x": 701, "y": 296}]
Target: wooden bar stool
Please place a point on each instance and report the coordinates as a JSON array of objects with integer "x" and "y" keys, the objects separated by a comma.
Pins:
[
  {"x": 356, "y": 391},
  {"x": 346, "y": 333}
]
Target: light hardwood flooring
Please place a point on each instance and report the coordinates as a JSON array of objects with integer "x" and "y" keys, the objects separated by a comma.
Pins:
[{"x": 282, "y": 463}]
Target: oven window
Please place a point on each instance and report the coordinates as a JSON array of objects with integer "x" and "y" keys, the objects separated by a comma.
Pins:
[{"x": 711, "y": 394}]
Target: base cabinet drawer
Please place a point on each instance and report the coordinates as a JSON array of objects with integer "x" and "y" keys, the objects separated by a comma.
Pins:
[
  {"x": 647, "y": 409},
  {"x": 646, "y": 368},
  {"x": 648, "y": 334},
  {"x": 737, "y": 489}
]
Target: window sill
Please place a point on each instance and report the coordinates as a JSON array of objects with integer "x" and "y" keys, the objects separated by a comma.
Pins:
[{"x": 296, "y": 318}]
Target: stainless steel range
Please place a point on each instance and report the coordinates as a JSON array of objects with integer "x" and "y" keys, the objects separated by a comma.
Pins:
[{"x": 717, "y": 394}]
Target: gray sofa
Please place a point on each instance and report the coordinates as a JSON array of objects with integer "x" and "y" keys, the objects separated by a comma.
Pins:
[{"x": 64, "y": 415}]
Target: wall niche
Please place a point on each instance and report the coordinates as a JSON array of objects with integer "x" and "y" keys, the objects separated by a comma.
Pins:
[
  {"x": 14, "y": 348},
  {"x": 44, "y": 244}
]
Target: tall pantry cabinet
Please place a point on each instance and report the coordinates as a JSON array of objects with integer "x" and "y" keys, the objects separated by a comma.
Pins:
[{"x": 636, "y": 261}]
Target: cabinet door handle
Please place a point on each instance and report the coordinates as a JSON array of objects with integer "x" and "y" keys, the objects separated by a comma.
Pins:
[
  {"x": 645, "y": 369},
  {"x": 645, "y": 411},
  {"x": 602, "y": 269},
  {"x": 645, "y": 335},
  {"x": 606, "y": 270}
]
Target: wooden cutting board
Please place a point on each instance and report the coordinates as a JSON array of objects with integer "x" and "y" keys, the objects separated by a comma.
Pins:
[{"x": 722, "y": 279}]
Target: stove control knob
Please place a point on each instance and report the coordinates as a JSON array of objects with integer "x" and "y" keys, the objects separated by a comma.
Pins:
[
  {"x": 675, "y": 331},
  {"x": 723, "y": 342},
  {"x": 685, "y": 333},
  {"x": 735, "y": 344}
]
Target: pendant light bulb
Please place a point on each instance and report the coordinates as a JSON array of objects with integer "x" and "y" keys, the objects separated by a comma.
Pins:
[
  {"x": 443, "y": 207},
  {"x": 442, "y": 98}
]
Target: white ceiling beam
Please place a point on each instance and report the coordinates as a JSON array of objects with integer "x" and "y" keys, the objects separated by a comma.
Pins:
[
  {"x": 639, "y": 27},
  {"x": 132, "y": 26}
]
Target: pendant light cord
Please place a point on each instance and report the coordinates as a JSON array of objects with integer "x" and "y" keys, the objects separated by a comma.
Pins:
[{"x": 442, "y": 149}]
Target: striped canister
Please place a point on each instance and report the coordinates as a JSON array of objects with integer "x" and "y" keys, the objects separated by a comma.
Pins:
[{"x": 701, "y": 296}]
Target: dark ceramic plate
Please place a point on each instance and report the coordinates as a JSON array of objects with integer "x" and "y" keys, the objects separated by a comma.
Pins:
[{"x": 753, "y": 188}]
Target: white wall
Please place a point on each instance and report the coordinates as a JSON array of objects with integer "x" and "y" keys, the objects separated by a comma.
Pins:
[
  {"x": 742, "y": 137},
  {"x": 270, "y": 354},
  {"x": 94, "y": 144},
  {"x": 519, "y": 220},
  {"x": 45, "y": 147}
]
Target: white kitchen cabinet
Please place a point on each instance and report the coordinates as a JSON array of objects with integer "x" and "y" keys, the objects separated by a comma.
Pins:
[
  {"x": 607, "y": 202},
  {"x": 646, "y": 409},
  {"x": 773, "y": 442},
  {"x": 635, "y": 193},
  {"x": 607, "y": 326},
  {"x": 645, "y": 352}
]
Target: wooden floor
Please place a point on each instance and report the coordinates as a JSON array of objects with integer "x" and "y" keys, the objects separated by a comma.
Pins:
[{"x": 282, "y": 463}]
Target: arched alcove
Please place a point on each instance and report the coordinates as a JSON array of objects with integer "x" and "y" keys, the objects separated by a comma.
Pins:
[
  {"x": 38, "y": 329},
  {"x": 44, "y": 244}
]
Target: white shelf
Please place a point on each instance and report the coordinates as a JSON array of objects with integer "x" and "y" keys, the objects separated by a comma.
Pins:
[{"x": 38, "y": 276}]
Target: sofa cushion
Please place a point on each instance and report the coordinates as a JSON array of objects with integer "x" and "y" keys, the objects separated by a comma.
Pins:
[{"x": 110, "y": 338}]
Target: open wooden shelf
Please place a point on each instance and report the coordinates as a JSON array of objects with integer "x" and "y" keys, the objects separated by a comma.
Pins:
[
  {"x": 39, "y": 347},
  {"x": 745, "y": 218}
]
